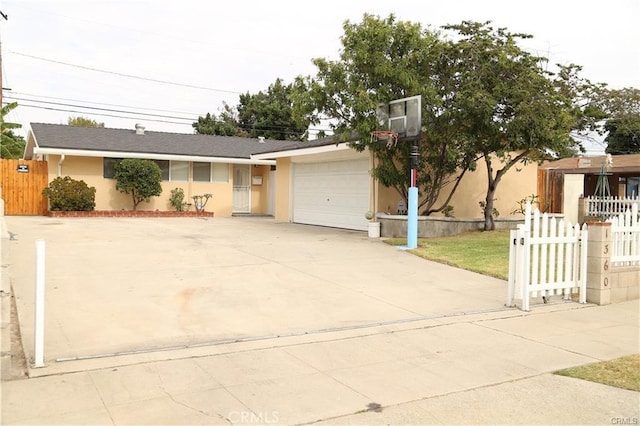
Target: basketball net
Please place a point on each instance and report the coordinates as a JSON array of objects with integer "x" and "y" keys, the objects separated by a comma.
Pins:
[{"x": 388, "y": 137}]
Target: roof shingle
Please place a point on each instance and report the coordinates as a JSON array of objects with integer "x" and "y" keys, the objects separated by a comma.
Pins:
[{"x": 58, "y": 136}]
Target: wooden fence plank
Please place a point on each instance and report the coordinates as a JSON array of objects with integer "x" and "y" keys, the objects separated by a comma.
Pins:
[{"x": 22, "y": 184}]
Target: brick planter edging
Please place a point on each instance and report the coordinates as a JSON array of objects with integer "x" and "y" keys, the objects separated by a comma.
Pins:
[{"x": 128, "y": 213}]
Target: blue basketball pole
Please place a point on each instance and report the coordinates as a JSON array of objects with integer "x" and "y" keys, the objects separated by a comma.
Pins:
[
  {"x": 412, "y": 218},
  {"x": 412, "y": 208}
]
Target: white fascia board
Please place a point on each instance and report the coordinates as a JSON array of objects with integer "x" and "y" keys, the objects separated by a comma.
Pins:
[
  {"x": 303, "y": 151},
  {"x": 149, "y": 156}
]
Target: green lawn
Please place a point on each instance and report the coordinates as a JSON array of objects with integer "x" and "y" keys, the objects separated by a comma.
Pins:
[
  {"x": 622, "y": 372},
  {"x": 484, "y": 252},
  {"x": 488, "y": 253}
]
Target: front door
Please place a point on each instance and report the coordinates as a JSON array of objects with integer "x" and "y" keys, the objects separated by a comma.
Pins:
[{"x": 241, "y": 188}]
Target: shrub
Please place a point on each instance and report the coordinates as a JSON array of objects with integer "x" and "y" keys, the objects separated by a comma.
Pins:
[
  {"x": 177, "y": 200},
  {"x": 140, "y": 178},
  {"x": 200, "y": 201},
  {"x": 66, "y": 194}
]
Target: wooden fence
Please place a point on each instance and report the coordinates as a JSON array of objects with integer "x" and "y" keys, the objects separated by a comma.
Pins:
[
  {"x": 547, "y": 257},
  {"x": 22, "y": 183}
]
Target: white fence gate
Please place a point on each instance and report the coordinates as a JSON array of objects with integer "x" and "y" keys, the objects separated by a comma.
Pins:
[
  {"x": 546, "y": 258},
  {"x": 625, "y": 238}
]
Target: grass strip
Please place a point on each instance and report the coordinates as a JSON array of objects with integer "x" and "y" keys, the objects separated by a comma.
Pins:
[
  {"x": 483, "y": 252},
  {"x": 621, "y": 372}
]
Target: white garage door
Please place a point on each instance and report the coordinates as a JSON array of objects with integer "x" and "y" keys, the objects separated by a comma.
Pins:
[{"x": 334, "y": 193}]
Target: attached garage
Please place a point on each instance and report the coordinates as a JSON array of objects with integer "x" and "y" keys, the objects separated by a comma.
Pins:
[
  {"x": 321, "y": 182},
  {"x": 331, "y": 193}
]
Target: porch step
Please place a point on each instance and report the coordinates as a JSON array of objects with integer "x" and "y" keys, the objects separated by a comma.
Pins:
[{"x": 250, "y": 215}]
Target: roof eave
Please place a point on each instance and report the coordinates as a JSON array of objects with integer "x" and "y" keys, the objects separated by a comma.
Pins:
[
  {"x": 303, "y": 151},
  {"x": 151, "y": 156}
]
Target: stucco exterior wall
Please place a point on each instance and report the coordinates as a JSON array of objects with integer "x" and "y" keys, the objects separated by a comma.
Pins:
[
  {"x": 283, "y": 184},
  {"x": 572, "y": 190},
  {"x": 513, "y": 187},
  {"x": 90, "y": 170},
  {"x": 259, "y": 192}
]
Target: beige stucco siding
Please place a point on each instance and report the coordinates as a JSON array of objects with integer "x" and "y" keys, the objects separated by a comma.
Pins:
[
  {"x": 283, "y": 189},
  {"x": 519, "y": 182},
  {"x": 259, "y": 191},
  {"x": 90, "y": 170},
  {"x": 514, "y": 186}
]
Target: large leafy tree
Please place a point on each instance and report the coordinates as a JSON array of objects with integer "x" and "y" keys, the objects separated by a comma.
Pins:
[
  {"x": 11, "y": 145},
  {"x": 83, "y": 122},
  {"x": 623, "y": 124},
  {"x": 623, "y": 135},
  {"x": 140, "y": 178},
  {"x": 382, "y": 60},
  {"x": 270, "y": 114},
  {"x": 224, "y": 124},
  {"x": 510, "y": 108}
]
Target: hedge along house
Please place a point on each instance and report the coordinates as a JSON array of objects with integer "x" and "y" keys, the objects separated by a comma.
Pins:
[
  {"x": 322, "y": 182},
  {"x": 198, "y": 164}
]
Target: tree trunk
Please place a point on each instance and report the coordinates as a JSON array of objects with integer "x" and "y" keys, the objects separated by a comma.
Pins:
[
  {"x": 489, "y": 223},
  {"x": 492, "y": 183}
]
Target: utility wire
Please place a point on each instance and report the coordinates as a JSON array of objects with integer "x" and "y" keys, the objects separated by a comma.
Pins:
[
  {"x": 144, "y": 114},
  {"x": 102, "y": 109},
  {"x": 191, "y": 86},
  {"x": 242, "y": 126},
  {"x": 99, "y": 113},
  {"x": 101, "y": 103}
]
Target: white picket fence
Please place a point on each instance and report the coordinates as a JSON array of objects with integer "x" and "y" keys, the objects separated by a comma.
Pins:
[
  {"x": 547, "y": 257},
  {"x": 609, "y": 206},
  {"x": 625, "y": 238}
]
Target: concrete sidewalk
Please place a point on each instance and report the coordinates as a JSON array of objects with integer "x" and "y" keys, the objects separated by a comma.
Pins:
[
  {"x": 477, "y": 369},
  {"x": 246, "y": 321}
]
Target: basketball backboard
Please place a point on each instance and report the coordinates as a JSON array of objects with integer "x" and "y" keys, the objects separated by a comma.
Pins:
[{"x": 403, "y": 116}]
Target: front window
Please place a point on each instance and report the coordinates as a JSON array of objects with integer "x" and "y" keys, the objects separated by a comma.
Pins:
[
  {"x": 220, "y": 172},
  {"x": 201, "y": 172},
  {"x": 164, "y": 168},
  {"x": 179, "y": 171},
  {"x": 109, "y": 167}
]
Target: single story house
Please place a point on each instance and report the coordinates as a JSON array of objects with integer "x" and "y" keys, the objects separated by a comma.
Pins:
[
  {"x": 198, "y": 164},
  {"x": 318, "y": 182}
]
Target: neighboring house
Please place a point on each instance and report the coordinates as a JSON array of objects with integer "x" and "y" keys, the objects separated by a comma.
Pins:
[
  {"x": 562, "y": 183},
  {"x": 318, "y": 182}
]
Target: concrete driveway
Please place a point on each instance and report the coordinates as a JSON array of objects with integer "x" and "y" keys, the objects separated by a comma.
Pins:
[
  {"x": 143, "y": 285},
  {"x": 246, "y": 321}
]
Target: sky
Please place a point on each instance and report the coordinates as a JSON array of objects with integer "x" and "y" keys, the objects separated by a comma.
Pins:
[{"x": 179, "y": 60}]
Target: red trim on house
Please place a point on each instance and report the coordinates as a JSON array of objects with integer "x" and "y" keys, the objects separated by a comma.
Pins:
[{"x": 128, "y": 213}]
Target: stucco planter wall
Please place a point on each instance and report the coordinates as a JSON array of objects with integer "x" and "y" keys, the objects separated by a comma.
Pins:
[{"x": 395, "y": 226}]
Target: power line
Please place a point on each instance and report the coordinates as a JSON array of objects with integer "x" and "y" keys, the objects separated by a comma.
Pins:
[
  {"x": 148, "y": 117},
  {"x": 173, "y": 83},
  {"x": 101, "y": 103},
  {"x": 99, "y": 113},
  {"x": 101, "y": 109}
]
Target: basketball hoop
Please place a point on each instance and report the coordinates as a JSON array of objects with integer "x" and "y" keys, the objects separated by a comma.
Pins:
[{"x": 387, "y": 137}]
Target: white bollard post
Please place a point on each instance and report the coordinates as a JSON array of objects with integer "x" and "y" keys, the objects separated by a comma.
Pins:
[{"x": 39, "y": 314}]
